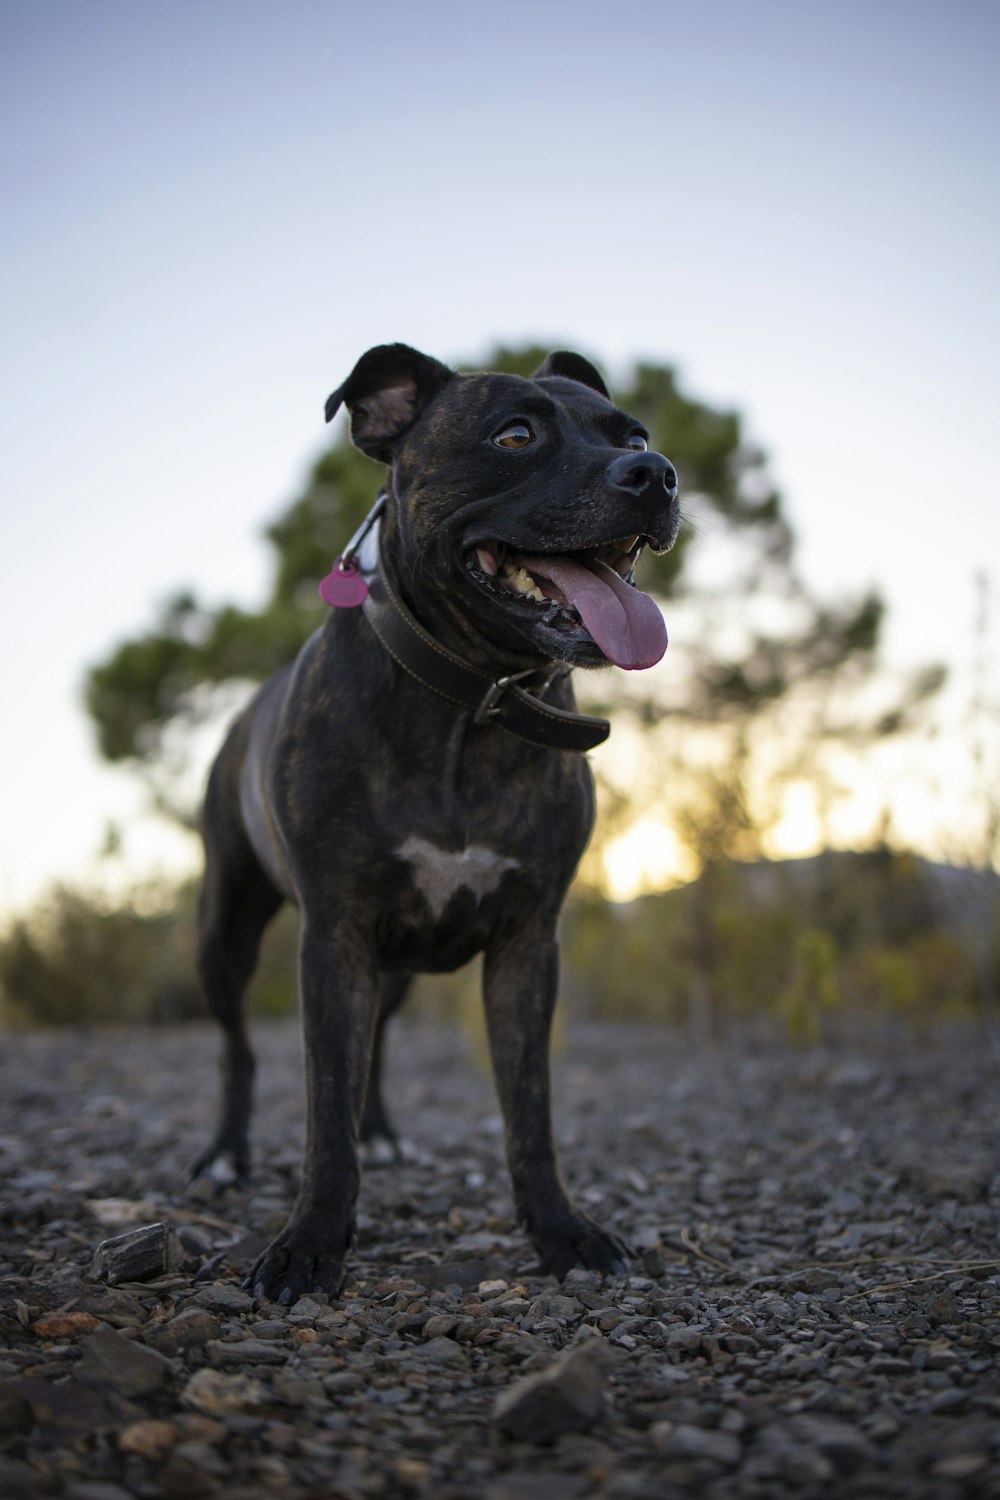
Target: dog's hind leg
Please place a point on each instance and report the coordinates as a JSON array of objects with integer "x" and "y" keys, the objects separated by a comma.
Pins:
[
  {"x": 380, "y": 1144},
  {"x": 237, "y": 901}
]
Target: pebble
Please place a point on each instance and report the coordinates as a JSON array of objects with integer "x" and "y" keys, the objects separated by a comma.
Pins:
[
  {"x": 440, "y": 1325},
  {"x": 961, "y": 1465},
  {"x": 65, "y": 1325},
  {"x": 680, "y": 1440},
  {"x": 128, "y": 1368},
  {"x": 151, "y": 1439},
  {"x": 245, "y": 1352},
  {"x": 212, "y": 1392},
  {"x": 191, "y": 1328},
  {"x": 138, "y": 1255},
  {"x": 439, "y": 1351},
  {"x": 567, "y": 1396},
  {"x": 222, "y": 1297}
]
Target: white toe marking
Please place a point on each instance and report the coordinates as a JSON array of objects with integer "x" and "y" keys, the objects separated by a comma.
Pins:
[
  {"x": 222, "y": 1171},
  {"x": 378, "y": 1151}
]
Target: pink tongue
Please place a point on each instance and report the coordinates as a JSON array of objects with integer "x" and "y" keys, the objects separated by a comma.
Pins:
[{"x": 625, "y": 623}]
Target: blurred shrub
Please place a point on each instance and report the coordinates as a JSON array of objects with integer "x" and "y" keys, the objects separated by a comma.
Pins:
[
  {"x": 80, "y": 958},
  {"x": 843, "y": 935},
  {"x": 813, "y": 987}
]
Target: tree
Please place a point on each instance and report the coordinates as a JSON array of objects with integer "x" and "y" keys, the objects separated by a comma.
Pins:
[{"x": 764, "y": 661}]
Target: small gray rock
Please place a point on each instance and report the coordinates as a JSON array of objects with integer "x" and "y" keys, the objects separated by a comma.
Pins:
[
  {"x": 440, "y": 1351},
  {"x": 190, "y": 1329},
  {"x": 684, "y": 1339},
  {"x": 223, "y": 1395},
  {"x": 845, "y": 1446},
  {"x": 96, "y": 1490},
  {"x": 108, "y": 1359},
  {"x": 439, "y": 1325},
  {"x": 138, "y": 1255},
  {"x": 681, "y": 1440},
  {"x": 569, "y": 1396},
  {"x": 245, "y": 1352},
  {"x": 298, "y": 1390},
  {"x": 223, "y": 1297}
]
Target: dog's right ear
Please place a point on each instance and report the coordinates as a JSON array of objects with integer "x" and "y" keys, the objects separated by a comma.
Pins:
[
  {"x": 385, "y": 394},
  {"x": 570, "y": 366}
]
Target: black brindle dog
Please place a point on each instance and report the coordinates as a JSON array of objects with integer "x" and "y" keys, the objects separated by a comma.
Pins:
[{"x": 415, "y": 782}]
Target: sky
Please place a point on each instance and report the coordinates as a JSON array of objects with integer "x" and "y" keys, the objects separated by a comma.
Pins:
[{"x": 212, "y": 208}]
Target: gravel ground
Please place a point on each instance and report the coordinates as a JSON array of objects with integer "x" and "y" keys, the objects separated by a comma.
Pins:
[{"x": 812, "y": 1311}]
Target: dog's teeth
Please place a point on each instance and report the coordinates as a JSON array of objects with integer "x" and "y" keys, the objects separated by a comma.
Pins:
[
  {"x": 521, "y": 580},
  {"x": 487, "y": 561}
]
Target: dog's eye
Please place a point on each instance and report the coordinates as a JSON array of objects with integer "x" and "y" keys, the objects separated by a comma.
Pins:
[
  {"x": 638, "y": 443},
  {"x": 515, "y": 435}
]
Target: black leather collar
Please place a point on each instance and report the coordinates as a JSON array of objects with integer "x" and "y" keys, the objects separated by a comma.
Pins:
[{"x": 505, "y": 701}]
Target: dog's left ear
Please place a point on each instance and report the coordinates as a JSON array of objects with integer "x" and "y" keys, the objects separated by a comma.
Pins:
[
  {"x": 571, "y": 366},
  {"x": 385, "y": 394}
]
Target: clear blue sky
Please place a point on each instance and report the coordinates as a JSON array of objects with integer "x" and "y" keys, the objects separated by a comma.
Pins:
[{"x": 212, "y": 208}]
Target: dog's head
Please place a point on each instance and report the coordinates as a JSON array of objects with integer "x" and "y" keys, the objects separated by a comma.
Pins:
[{"x": 519, "y": 507}]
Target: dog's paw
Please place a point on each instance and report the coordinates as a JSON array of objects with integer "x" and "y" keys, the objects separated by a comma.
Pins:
[
  {"x": 297, "y": 1262},
  {"x": 578, "y": 1241}
]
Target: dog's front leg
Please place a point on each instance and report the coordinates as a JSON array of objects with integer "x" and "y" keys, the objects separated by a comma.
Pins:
[
  {"x": 339, "y": 988},
  {"x": 520, "y": 980}
]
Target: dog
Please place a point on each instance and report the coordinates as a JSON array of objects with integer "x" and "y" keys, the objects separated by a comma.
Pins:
[{"x": 417, "y": 783}]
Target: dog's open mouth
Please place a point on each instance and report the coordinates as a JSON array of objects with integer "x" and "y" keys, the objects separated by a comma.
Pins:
[{"x": 593, "y": 586}]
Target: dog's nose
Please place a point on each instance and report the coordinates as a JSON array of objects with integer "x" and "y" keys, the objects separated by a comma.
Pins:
[{"x": 643, "y": 473}]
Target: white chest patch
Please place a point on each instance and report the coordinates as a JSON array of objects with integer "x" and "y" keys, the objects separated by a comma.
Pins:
[{"x": 439, "y": 873}]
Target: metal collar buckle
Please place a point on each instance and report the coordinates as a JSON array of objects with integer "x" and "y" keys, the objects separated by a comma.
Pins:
[{"x": 489, "y": 708}]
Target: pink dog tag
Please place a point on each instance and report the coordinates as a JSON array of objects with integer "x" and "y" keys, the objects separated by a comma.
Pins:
[{"x": 343, "y": 587}]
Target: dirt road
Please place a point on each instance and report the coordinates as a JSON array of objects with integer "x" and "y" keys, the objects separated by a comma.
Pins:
[{"x": 812, "y": 1311}]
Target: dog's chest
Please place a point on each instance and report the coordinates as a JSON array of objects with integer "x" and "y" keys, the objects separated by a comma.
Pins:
[{"x": 439, "y": 874}]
